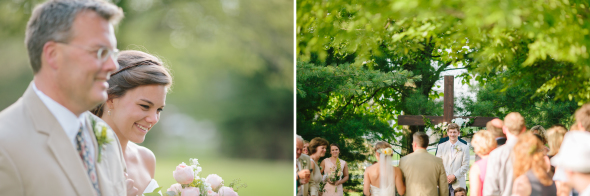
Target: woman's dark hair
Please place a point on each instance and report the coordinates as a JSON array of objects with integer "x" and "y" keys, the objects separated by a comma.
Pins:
[
  {"x": 136, "y": 68},
  {"x": 334, "y": 144}
]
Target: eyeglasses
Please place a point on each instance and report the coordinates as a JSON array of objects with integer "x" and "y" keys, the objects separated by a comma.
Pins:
[{"x": 102, "y": 53}]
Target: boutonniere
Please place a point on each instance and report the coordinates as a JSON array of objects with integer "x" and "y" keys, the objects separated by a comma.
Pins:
[
  {"x": 457, "y": 149},
  {"x": 102, "y": 138},
  {"x": 303, "y": 163}
]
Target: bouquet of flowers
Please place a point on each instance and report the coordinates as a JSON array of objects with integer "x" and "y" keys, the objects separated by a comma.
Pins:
[
  {"x": 190, "y": 183},
  {"x": 335, "y": 174}
]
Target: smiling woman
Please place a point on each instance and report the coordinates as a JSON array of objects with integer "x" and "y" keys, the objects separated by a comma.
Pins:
[{"x": 136, "y": 96}]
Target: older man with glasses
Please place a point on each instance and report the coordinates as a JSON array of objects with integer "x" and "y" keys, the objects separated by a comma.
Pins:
[{"x": 47, "y": 141}]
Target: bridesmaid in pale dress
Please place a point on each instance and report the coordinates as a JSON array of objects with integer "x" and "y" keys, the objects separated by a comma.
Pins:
[
  {"x": 136, "y": 96},
  {"x": 329, "y": 165},
  {"x": 317, "y": 148}
]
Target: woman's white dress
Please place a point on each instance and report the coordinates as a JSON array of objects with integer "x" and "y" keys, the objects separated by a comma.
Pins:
[{"x": 315, "y": 179}]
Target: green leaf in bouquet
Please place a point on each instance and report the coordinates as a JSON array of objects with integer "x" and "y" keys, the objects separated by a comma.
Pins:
[
  {"x": 171, "y": 193},
  {"x": 155, "y": 192}
]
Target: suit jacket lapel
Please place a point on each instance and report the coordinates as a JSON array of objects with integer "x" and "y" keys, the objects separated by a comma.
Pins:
[
  {"x": 456, "y": 152},
  {"x": 58, "y": 142}
]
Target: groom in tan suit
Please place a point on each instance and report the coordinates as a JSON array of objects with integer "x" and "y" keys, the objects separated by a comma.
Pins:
[
  {"x": 47, "y": 142},
  {"x": 455, "y": 156},
  {"x": 422, "y": 171}
]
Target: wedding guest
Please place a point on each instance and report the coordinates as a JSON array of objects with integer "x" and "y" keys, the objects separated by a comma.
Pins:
[
  {"x": 303, "y": 166},
  {"x": 329, "y": 165},
  {"x": 460, "y": 191},
  {"x": 423, "y": 172},
  {"x": 574, "y": 159},
  {"x": 483, "y": 143},
  {"x": 47, "y": 141},
  {"x": 382, "y": 178},
  {"x": 530, "y": 168},
  {"x": 495, "y": 127},
  {"x": 499, "y": 173},
  {"x": 582, "y": 116},
  {"x": 555, "y": 136},
  {"x": 305, "y": 147},
  {"x": 455, "y": 156},
  {"x": 317, "y": 148},
  {"x": 538, "y": 129}
]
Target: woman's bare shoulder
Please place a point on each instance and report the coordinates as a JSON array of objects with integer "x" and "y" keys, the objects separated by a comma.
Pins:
[{"x": 147, "y": 158}]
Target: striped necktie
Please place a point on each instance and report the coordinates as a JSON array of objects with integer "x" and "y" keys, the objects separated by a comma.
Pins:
[{"x": 87, "y": 160}]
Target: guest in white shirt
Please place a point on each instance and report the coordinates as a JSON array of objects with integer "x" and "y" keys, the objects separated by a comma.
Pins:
[{"x": 574, "y": 159}]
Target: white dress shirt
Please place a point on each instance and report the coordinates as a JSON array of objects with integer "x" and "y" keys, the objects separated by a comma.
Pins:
[
  {"x": 586, "y": 191},
  {"x": 68, "y": 120},
  {"x": 453, "y": 150}
]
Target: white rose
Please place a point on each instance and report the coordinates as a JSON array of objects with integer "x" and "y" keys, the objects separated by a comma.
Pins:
[{"x": 215, "y": 181}]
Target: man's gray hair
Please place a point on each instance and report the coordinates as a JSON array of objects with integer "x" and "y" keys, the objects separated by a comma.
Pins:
[
  {"x": 52, "y": 21},
  {"x": 299, "y": 138}
]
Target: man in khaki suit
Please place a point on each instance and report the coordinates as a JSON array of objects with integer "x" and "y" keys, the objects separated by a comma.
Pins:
[
  {"x": 422, "y": 171},
  {"x": 455, "y": 156},
  {"x": 48, "y": 144},
  {"x": 303, "y": 173}
]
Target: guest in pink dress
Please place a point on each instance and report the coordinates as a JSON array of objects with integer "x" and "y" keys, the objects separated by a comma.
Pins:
[
  {"x": 329, "y": 165},
  {"x": 483, "y": 143}
]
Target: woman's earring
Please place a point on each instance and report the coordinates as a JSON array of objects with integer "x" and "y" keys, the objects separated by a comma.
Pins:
[
  {"x": 109, "y": 112},
  {"x": 150, "y": 125}
]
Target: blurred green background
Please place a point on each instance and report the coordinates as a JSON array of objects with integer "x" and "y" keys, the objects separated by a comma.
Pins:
[{"x": 231, "y": 105}]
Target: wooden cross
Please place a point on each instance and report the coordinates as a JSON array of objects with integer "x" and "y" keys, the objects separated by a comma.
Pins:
[{"x": 448, "y": 115}]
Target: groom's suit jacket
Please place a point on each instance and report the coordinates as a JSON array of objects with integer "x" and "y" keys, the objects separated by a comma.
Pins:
[
  {"x": 38, "y": 158},
  {"x": 305, "y": 164},
  {"x": 422, "y": 173},
  {"x": 456, "y": 161}
]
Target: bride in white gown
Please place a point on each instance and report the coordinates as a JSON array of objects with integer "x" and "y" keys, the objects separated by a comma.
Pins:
[
  {"x": 136, "y": 96},
  {"x": 382, "y": 178}
]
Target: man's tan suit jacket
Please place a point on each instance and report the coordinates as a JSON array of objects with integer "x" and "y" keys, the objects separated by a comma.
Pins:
[
  {"x": 423, "y": 172},
  {"x": 38, "y": 158},
  {"x": 305, "y": 163},
  {"x": 456, "y": 161}
]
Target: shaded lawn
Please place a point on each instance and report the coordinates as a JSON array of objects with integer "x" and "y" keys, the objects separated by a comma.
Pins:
[{"x": 263, "y": 177}]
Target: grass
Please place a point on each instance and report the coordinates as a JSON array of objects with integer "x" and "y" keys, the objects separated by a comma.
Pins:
[{"x": 263, "y": 177}]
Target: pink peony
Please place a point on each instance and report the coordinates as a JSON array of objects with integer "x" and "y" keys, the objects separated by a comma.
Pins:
[
  {"x": 227, "y": 191},
  {"x": 212, "y": 193},
  {"x": 176, "y": 188},
  {"x": 184, "y": 174},
  {"x": 190, "y": 191},
  {"x": 214, "y": 180}
]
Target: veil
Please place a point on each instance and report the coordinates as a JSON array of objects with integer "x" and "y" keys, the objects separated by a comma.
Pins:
[{"x": 386, "y": 176}]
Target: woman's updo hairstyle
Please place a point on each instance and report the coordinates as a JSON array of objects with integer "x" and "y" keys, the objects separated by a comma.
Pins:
[
  {"x": 381, "y": 145},
  {"x": 136, "y": 68}
]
